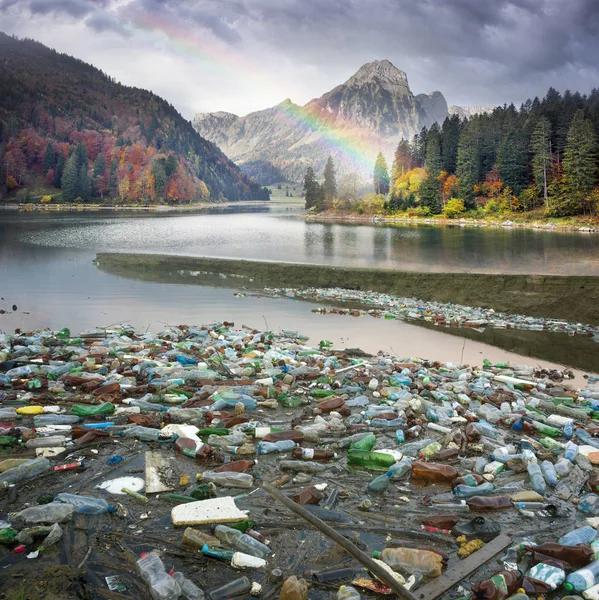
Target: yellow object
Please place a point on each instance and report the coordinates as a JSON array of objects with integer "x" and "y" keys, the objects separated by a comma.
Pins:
[
  {"x": 184, "y": 480},
  {"x": 30, "y": 410},
  {"x": 467, "y": 548}
]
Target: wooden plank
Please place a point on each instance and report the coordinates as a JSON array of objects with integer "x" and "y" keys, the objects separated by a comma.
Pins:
[{"x": 459, "y": 572}]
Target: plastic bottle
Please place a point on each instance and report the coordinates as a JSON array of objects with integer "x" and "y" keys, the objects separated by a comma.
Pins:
[
  {"x": 380, "y": 483},
  {"x": 241, "y": 541},
  {"x": 549, "y": 473},
  {"x": 353, "y": 439},
  {"x": 501, "y": 585},
  {"x": 52, "y": 441},
  {"x": 43, "y": 420},
  {"x": 401, "y": 469},
  {"x": 197, "y": 539},
  {"x": 26, "y": 472},
  {"x": 467, "y": 491},
  {"x": 433, "y": 472},
  {"x": 145, "y": 434},
  {"x": 294, "y": 589},
  {"x": 43, "y": 514},
  {"x": 86, "y": 410},
  {"x": 583, "y": 578},
  {"x": 235, "y": 588},
  {"x": 409, "y": 560},
  {"x": 537, "y": 481},
  {"x": 85, "y": 504},
  {"x": 312, "y": 454},
  {"x": 571, "y": 451},
  {"x": 589, "y": 504},
  {"x": 370, "y": 460},
  {"x": 577, "y": 555},
  {"x": 238, "y": 466},
  {"x": 347, "y": 592},
  {"x": 162, "y": 585},
  {"x": 365, "y": 443},
  {"x": 280, "y": 446},
  {"x": 582, "y": 535},
  {"x": 228, "y": 479},
  {"x": 429, "y": 450},
  {"x": 189, "y": 590}
]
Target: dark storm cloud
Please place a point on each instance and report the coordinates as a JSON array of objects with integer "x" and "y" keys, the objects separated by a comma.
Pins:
[
  {"x": 73, "y": 8},
  {"x": 474, "y": 51}
]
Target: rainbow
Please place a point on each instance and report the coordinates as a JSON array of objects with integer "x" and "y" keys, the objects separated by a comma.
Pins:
[{"x": 342, "y": 140}]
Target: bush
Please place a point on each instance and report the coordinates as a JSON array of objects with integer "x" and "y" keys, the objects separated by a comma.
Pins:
[
  {"x": 492, "y": 207},
  {"x": 454, "y": 208},
  {"x": 46, "y": 199},
  {"x": 420, "y": 211}
]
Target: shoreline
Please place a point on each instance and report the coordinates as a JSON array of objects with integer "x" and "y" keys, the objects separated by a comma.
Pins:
[
  {"x": 350, "y": 218},
  {"x": 119, "y": 207}
]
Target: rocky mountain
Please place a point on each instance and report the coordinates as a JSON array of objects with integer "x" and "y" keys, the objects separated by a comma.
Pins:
[
  {"x": 369, "y": 113},
  {"x": 465, "y": 112},
  {"x": 72, "y": 132}
]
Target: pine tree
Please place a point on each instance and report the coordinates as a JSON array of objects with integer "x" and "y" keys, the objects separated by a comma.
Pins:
[
  {"x": 540, "y": 147},
  {"x": 402, "y": 161},
  {"x": 58, "y": 171},
  {"x": 49, "y": 158},
  {"x": 511, "y": 159},
  {"x": 330, "y": 183},
  {"x": 311, "y": 188},
  {"x": 100, "y": 165},
  {"x": 580, "y": 166},
  {"x": 450, "y": 136},
  {"x": 467, "y": 169},
  {"x": 83, "y": 184},
  {"x": 429, "y": 191},
  {"x": 381, "y": 175},
  {"x": 113, "y": 182},
  {"x": 69, "y": 179}
]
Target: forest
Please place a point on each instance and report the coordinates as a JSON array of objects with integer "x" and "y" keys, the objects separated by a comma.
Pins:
[
  {"x": 71, "y": 133},
  {"x": 540, "y": 158}
]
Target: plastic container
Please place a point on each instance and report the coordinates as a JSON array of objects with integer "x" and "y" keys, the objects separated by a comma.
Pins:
[
  {"x": 26, "y": 472},
  {"x": 228, "y": 479},
  {"x": 294, "y": 589},
  {"x": 409, "y": 560},
  {"x": 583, "y": 578},
  {"x": 162, "y": 585},
  {"x": 548, "y": 574},
  {"x": 240, "y": 560},
  {"x": 582, "y": 535},
  {"x": 44, "y": 514},
  {"x": 189, "y": 590},
  {"x": 537, "y": 481},
  {"x": 85, "y": 504},
  {"x": 237, "y": 587},
  {"x": 280, "y": 446}
]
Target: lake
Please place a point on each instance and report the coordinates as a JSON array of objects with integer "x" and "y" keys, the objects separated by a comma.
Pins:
[{"x": 46, "y": 269}]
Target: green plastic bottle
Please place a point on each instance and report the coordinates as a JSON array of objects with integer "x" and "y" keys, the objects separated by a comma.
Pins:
[
  {"x": 290, "y": 401},
  {"x": 7, "y": 536},
  {"x": 323, "y": 393},
  {"x": 64, "y": 333},
  {"x": 546, "y": 429},
  {"x": 371, "y": 460},
  {"x": 7, "y": 440},
  {"x": 83, "y": 410},
  {"x": 242, "y": 525},
  {"x": 366, "y": 444},
  {"x": 214, "y": 431}
]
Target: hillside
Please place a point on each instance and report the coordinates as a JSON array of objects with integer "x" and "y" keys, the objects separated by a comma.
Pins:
[{"x": 71, "y": 130}]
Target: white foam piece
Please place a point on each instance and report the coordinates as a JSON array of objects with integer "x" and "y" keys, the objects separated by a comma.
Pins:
[
  {"x": 115, "y": 486},
  {"x": 215, "y": 510}
]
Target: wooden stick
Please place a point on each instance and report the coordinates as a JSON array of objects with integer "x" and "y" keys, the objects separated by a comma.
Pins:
[{"x": 363, "y": 558}]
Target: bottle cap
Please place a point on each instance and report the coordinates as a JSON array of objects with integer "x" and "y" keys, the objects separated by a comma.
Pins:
[
  {"x": 375, "y": 554},
  {"x": 568, "y": 587}
]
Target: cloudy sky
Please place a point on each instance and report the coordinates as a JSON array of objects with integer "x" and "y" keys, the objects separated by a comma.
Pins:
[{"x": 244, "y": 55}]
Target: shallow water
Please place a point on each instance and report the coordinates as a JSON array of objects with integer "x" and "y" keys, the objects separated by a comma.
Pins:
[{"x": 46, "y": 270}]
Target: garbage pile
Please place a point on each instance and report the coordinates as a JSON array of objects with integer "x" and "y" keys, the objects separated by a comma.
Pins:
[
  {"x": 154, "y": 463},
  {"x": 439, "y": 313}
]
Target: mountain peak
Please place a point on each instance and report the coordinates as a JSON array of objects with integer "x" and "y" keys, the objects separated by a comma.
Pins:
[{"x": 382, "y": 70}]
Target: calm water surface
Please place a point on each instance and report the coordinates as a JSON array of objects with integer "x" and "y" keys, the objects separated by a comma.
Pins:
[{"x": 46, "y": 269}]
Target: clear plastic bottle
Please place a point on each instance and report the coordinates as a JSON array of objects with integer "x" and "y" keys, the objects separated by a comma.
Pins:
[
  {"x": 85, "y": 504},
  {"x": 235, "y": 588},
  {"x": 409, "y": 560},
  {"x": 43, "y": 420},
  {"x": 467, "y": 491},
  {"x": 571, "y": 451},
  {"x": 26, "y": 472},
  {"x": 145, "y": 434},
  {"x": 228, "y": 479},
  {"x": 380, "y": 483},
  {"x": 43, "y": 514},
  {"x": 162, "y": 585},
  {"x": 401, "y": 469},
  {"x": 52, "y": 441},
  {"x": 241, "y": 541},
  {"x": 583, "y": 578},
  {"x": 589, "y": 504},
  {"x": 582, "y": 535},
  {"x": 280, "y": 446},
  {"x": 189, "y": 590},
  {"x": 549, "y": 473},
  {"x": 537, "y": 481}
]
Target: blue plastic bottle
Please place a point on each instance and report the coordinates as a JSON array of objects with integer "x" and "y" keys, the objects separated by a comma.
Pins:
[{"x": 582, "y": 535}]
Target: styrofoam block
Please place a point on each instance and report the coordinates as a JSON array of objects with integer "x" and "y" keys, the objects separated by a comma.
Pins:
[{"x": 215, "y": 510}]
